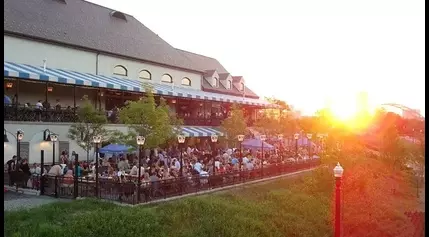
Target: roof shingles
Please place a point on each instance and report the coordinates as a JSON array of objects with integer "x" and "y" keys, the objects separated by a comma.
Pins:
[{"x": 84, "y": 24}]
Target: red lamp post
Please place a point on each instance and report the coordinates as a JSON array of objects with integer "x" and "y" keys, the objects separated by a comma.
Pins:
[{"x": 338, "y": 173}]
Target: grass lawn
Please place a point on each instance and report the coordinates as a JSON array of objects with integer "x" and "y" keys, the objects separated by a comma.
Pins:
[{"x": 298, "y": 206}]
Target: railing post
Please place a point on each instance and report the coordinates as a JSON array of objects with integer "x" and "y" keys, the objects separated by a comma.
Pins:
[
  {"x": 76, "y": 182},
  {"x": 42, "y": 178},
  {"x": 56, "y": 186}
]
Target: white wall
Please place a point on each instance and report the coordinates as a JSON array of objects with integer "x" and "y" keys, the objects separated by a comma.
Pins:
[
  {"x": 30, "y": 52},
  {"x": 33, "y": 133},
  {"x": 25, "y": 51},
  {"x": 106, "y": 64}
]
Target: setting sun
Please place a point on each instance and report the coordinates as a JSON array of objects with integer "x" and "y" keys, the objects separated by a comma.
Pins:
[
  {"x": 352, "y": 111},
  {"x": 343, "y": 111}
]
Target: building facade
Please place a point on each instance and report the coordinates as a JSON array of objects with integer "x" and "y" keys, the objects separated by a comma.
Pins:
[{"x": 57, "y": 51}]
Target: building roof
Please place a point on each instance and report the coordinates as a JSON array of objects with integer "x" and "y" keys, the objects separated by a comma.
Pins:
[
  {"x": 87, "y": 25},
  {"x": 237, "y": 78},
  {"x": 204, "y": 63},
  {"x": 223, "y": 76},
  {"x": 208, "y": 65}
]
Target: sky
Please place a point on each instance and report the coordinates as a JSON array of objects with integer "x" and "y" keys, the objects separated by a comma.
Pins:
[{"x": 305, "y": 52}]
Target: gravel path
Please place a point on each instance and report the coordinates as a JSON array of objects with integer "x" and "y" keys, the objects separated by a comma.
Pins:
[{"x": 15, "y": 201}]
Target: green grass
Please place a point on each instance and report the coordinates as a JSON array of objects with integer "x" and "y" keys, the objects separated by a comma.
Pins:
[
  {"x": 293, "y": 207},
  {"x": 281, "y": 208}
]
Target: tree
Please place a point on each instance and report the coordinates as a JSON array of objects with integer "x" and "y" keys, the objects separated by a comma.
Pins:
[
  {"x": 90, "y": 123},
  {"x": 234, "y": 125},
  {"x": 145, "y": 118},
  {"x": 280, "y": 103}
]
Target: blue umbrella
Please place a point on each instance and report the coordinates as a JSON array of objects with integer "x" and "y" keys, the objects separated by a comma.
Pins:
[
  {"x": 115, "y": 148},
  {"x": 7, "y": 100},
  {"x": 256, "y": 144}
]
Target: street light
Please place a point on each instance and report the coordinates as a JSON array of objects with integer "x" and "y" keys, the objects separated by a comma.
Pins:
[
  {"x": 5, "y": 136},
  {"x": 140, "y": 142},
  {"x": 296, "y": 137},
  {"x": 214, "y": 138},
  {"x": 280, "y": 138},
  {"x": 309, "y": 136},
  {"x": 263, "y": 138},
  {"x": 96, "y": 140},
  {"x": 181, "y": 139},
  {"x": 54, "y": 139},
  {"x": 338, "y": 174},
  {"x": 19, "y": 137},
  {"x": 240, "y": 140}
]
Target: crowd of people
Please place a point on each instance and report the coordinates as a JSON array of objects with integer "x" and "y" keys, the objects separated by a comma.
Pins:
[{"x": 156, "y": 165}]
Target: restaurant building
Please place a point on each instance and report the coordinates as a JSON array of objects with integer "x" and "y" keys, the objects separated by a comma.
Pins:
[{"x": 58, "y": 51}]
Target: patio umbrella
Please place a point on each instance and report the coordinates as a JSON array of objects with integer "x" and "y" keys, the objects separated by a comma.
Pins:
[
  {"x": 7, "y": 100},
  {"x": 115, "y": 148},
  {"x": 256, "y": 144}
]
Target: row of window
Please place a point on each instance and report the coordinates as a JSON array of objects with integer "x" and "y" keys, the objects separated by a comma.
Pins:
[
  {"x": 146, "y": 75},
  {"x": 228, "y": 84}
]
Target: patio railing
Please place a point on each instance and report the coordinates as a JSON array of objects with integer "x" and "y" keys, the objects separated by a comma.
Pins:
[{"x": 129, "y": 192}]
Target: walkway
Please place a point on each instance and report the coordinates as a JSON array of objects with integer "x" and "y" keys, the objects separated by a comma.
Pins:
[{"x": 14, "y": 201}]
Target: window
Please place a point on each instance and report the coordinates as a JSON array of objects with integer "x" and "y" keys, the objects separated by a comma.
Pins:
[
  {"x": 215, "y": 82},
  {"x": 145, "y": 75},
  {"x": 186, "y": 81},
  {"x": 242, "y": 86},
  {"x": 120, "y": 70},
  {"x": 167, "y": 78},
  {"x": 228, "y": 85},
  {"x": 118, "y": 15}
]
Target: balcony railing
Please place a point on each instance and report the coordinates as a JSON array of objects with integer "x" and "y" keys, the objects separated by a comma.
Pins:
[
  {"x": 13, "y": 113},
  {"x": 68, "y": 115}
]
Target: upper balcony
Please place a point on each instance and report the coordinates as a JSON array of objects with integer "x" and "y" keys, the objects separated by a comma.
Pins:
[
  {"x": 60, "y": 114},
  {"x": 61, "y": 91}
]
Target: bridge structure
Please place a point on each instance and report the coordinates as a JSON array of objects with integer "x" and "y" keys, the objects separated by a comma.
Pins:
[{"x": 411, "y": 112}]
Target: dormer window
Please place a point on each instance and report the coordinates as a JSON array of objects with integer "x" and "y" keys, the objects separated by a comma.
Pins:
[
  {"x": 215, "y": 82},
  {"x": 229, "y": 85},
  {"x": 242, "y": 86},
  {"x": 118, "y": 15}
]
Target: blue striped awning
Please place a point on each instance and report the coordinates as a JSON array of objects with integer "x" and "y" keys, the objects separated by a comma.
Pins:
[
  {"x": 25, "y": 71},
  {"x": 200, "y": 131}
]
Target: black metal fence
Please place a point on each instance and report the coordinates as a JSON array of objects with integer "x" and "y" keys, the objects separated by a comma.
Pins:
[
  {"x": 20, "y": 113},
  {"x": 129, "y": 192},
  {"x": 67, "y": 115}
]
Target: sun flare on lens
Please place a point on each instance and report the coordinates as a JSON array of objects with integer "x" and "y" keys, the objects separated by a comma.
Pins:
[
  {"x": 343, "y": 111},
  {"x": 351, "y": 113}
]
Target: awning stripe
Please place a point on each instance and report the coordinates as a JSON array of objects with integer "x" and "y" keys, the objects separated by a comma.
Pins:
[
  {"x": 76, "y": 78},
  {"x": 200, "y": 131}
]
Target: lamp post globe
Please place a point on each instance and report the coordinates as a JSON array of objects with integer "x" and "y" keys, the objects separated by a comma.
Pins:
[{"x": 338, "y": 171}]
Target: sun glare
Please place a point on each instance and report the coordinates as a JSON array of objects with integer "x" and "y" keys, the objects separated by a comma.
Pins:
[
  {"x": 343, "y": 111},
  {"x": 351, "y": 113}
]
